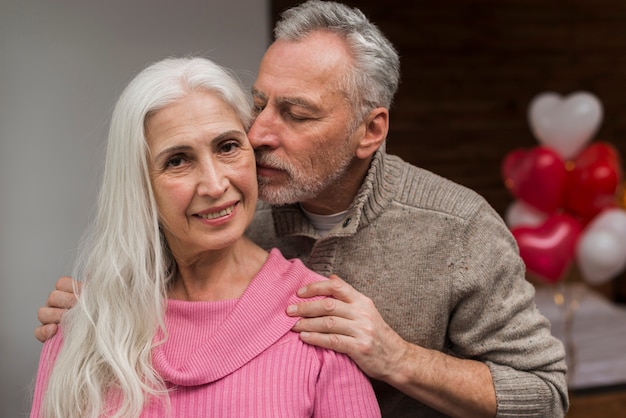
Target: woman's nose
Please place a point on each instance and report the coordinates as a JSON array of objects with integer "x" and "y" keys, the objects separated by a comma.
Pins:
[{"x": 212, "y": 181}]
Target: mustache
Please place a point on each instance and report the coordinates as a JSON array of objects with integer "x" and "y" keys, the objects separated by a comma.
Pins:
[{"x": 267, "y": 159}]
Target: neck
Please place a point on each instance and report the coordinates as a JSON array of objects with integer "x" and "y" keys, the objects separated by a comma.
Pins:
[{"x": 218, "y": 275}]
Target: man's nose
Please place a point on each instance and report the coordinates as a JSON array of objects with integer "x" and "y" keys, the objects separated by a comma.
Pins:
[{"x": 264, "y": 132}]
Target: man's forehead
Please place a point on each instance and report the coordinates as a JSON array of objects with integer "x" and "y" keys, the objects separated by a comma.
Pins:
[{"x": 293, "y": 70}]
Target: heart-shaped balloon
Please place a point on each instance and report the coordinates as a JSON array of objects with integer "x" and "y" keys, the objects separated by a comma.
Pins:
[
  {"x": 601, "y": 249},
  {"x": 592, "y": 183},
  {"x": 565, "y": 124},
  {"x": 536, "y": 176},
  {"x": 614, "y": 220},
  {"x": 521, "y": 214},
  {"x": 549, "y": 249},
  {"x": 600, "y": 257}
]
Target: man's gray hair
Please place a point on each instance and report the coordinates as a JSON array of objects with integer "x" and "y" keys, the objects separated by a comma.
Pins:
[{"x": 374, "y": 78}]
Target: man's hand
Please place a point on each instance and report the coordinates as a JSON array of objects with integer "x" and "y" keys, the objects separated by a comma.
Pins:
[
  {"x": 59, "y": 301},
  {"x": 348, "y": 322}
]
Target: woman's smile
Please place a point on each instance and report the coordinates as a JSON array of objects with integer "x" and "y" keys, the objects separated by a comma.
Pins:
[{"x": 211, "y": 214}]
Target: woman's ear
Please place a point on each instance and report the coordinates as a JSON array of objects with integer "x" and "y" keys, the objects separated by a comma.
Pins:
[{"x": 376, "y": 125}]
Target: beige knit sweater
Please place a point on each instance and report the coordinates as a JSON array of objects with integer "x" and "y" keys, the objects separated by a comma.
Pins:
[{"x": 444, "y": 271}]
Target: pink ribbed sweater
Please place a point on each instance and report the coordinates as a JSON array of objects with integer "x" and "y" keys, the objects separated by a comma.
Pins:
[{"x": 238, "y": 358}]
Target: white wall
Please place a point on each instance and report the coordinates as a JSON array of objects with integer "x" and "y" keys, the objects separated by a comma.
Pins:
[{"x": 62, "y": 65}]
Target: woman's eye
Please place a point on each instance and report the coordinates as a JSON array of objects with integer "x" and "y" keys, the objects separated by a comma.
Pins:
[
  {"x": 228, "y": 147},
  {"x": 175, "y": 162}
]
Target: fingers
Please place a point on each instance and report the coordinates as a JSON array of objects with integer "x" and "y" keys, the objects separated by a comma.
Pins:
[
  {"x": 49, "y": 318},
  {"x": 66, "y": 284},
  {"x": 336, "y": 342},
  {"x": 62, "y": 296},
  {"x": 334, "y": 287},
  {"x": 343, "y": 301},
  {"x": 48, "y": 315},
  {"x": 339, "y": 335},
  {"x": 320, "y": 307},
  {"x": 44, "y": 332},
  {"x": 326, "y": 325},
  {"x": 61, "y": 299}
]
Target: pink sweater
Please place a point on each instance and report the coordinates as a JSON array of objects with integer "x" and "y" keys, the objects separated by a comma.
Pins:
[{"x": 238, "y": 358}]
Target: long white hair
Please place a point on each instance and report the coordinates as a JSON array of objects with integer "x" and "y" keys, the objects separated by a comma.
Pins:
[{"x": 105, "y": 366}]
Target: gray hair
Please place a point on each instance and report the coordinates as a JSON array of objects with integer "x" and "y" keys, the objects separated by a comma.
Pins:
[
  {"x": 373, "y": 79},
  {"x": 124, "y": 258}
]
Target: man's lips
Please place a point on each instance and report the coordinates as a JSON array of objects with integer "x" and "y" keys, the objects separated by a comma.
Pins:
[{"x": 268, "y": 171}]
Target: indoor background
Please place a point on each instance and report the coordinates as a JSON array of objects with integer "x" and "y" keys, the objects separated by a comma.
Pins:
[{"x": 469, "y": 71}]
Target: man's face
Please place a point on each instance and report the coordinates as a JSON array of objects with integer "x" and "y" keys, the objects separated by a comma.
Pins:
[{"x": 302, "y": 138}]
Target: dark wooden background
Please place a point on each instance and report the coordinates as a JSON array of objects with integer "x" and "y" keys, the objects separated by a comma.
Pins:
[{"x": 471, "y": 67}]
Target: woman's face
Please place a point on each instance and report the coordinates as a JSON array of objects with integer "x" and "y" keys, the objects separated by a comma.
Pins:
[{"x": 202, "y": 171}]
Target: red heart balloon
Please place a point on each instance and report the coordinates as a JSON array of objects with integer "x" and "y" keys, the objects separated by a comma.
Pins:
[
  {"x": 548, "y": 249},
  {"x": 536, "y": 176},
  {"x": 593, "y": 182}
]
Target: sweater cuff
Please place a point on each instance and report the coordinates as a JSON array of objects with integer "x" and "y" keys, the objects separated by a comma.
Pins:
[{"x": 521, "y": 393}]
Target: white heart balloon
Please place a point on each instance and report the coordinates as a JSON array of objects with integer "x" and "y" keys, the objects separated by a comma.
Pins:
[
  {"x": 520, "y": 214},
  {"x": 565, "y": 124},
  {"x": 612, "y": 220},
  {"x": 600, "y": 256}
]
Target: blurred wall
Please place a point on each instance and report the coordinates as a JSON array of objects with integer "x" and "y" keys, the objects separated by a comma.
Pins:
[{"x": 62, "y": 66}]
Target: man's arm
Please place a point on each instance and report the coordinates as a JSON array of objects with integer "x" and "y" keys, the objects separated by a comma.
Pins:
[
  {"x": 59, "y": 301},
  {"x": 350, "y": 323}
]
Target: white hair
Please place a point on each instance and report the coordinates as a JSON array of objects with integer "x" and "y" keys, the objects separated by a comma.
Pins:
[{"x": 124, "y": 260}]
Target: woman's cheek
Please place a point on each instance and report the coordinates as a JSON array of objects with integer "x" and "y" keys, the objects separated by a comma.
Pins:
[{"x": 173, "y": 194}]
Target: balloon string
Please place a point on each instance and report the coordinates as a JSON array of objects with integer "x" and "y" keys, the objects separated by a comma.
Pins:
[{"x": 567, "y": 298}]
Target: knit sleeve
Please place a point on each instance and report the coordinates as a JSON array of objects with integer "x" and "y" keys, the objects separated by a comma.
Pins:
[
  {"x": 48, "y": 356},
  {"x": 342, "y": 389},
  {"x": 496, "y": 321}
]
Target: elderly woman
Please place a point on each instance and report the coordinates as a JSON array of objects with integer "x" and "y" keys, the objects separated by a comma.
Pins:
[{"x": 180, "y": 314}]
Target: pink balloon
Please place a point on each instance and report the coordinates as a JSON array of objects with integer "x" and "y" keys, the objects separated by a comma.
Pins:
[
  {"x": 593, "y": 181},
  {"x": 536, "y": 176},
  {"x": 548, "y": 249}
]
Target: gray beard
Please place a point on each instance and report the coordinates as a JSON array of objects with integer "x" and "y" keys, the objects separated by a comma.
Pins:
[{"x": 300, "y": 186}]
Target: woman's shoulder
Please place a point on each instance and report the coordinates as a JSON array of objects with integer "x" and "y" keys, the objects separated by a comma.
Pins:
[
  {"x": 291, "y": 273},
  {"x": 293, "y": 266}
]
